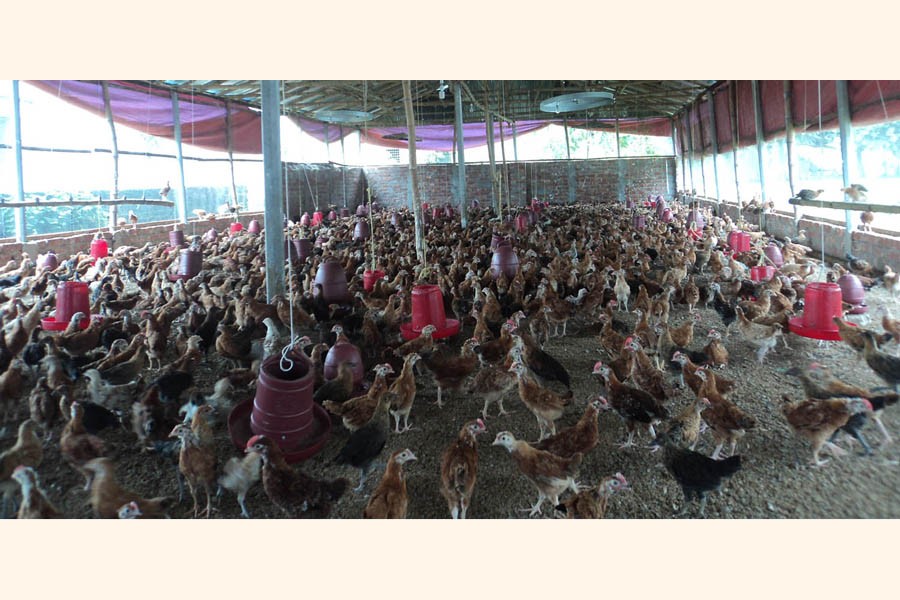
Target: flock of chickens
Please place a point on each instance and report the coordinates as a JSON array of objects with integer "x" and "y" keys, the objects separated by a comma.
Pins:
[{"x": 132, "y": 384}]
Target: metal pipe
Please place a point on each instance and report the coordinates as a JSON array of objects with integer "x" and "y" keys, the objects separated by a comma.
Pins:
[
  {"x": 274, "y": 193},
  {"x": 620, "y": 166},
  {"x": 114, "y": 192},
  {"x": 460, "y": 153},
  {"x": 732, "y": 91},
  {"x": 413, "y": 176},
  {"x": 847, "y": 148},
  {"x": 489, "y": 125},
  {"x": 229, "y": 144},
  {"x": 504, "y": 171},
  {"x": 181, "y": 203},
  {"x": 689, "y": 134},
  {"x": 570, "y": 167},
  {"x": 714, "y": 140},
  {"x": 702, "y": 153},
  {"x": 758, "y": 119},
  {"x": 21, "y": 236},
  {"x": 789, "y": 140}
]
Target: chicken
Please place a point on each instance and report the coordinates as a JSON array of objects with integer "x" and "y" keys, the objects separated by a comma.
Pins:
[
  {"x": 390, "y": 499},
  {"x": 853, "y": 336},
  {"x": 494, "y": 351},
  {"x": 695, "y": 473},
  {"x": 728, "y": 422},
  {"x": 197, "y": 462},
  {"x": 890, "y": 324},
  {"x": 76, "y": 445},
  {"x": 582, "y": 437},
  {"x": 107, "y": 394},
  {"x": 492, "y": 383},
  {"x": 357, "y": 411},
  {"x": 610, "y": 339},
  {"x": 856, "y": 192},
  {"x": 621, "y": 290},
  {"x": 818, "y": 420},
  {"x": 338, "y": 389},
  {"x": 131, "y": 510},
  {"x": 764, "y": 337},
  {"x": 685, "y": 427},
  {"x": 450, "y": 372},
  {"x": 241, "y": 474},
  {"x": 107, "y": 496},
  {"x": 644, "y": 373},
  {"x": 26, "y": 451},
  {"x": 402, "y": 393},
  {"x": 886, "y": 366},
  {"x": 891, "y": 280},
  {"x": 636, "y": 407},
  {"x": 546, "y": 405},
  {"x": 79, "y": 342},
  {"x": 234, "y": 345},
  {"x": 459, "y": 469},
  {"x": 715, "y": 350},
  {"x": 423, "y": 345},
  {"x": 691, "y": 294},
  {"x": 366, "y": 443},
  {"x": 291, "y": 490},
  {"x": 35, "y": 504},
  {"x": 683, "y": 335},
  {"x": 592, "y": 502},
  {"x": 551, "y": 474}
]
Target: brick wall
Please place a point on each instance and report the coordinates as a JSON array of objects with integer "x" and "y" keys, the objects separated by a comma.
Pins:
[
  {"x": 327, "y": 182},
  {"x": 595, "y": 180}
]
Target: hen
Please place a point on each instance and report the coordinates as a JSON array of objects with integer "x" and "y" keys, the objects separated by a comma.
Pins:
[
  {"x": 633, "y": 405},
  {"x": 764, "y": 337},
  {"x": 492, "y": 383},
  {"x": 592, "y": 502},
  {"x": 546, "y": 405},
  {"x": 728, "y": 422},
  {"x": 450, "y": 372},
  {"x": 26, "y": 451},
  {"x": 390, "y": 499},
  {"x": 241, "y": 474},
  {"x": 367, "y": 442},
  {"x": 459, "y": 469},
  {"x": 197, "y": 463},
  {"x": 76, "y": 445},
  {"x": 292, "y": 491},
  {"x": 35, "y": 504},
  {"x": 107, "y": 496},
  {"x": 402, "y": 393},
  {"x": 579, "y": 438},
  {"x": 550, "y": 474},
  {"x": 818, "y": 420}
]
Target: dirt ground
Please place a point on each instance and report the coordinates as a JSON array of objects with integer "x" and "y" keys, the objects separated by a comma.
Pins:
[{"x": 776, "y": 481}]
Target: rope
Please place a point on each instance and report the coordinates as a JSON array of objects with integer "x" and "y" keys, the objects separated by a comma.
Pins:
[
  {"x": 822, "y": 268},
  {"x": 290, "y": 270}
]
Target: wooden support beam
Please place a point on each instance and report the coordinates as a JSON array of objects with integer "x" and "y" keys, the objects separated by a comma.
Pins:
[
  {"x": 413, "y": 176},
  {"x": 855, "y": 206},
  {"x": 114, "y": 202}
]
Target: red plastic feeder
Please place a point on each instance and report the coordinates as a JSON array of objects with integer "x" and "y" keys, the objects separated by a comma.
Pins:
[
  {"x": 176, "y": 238},
  {"x": 638, "y": 221},
  {"x": 283, "y": 410},
  {"x": 71, "y": 297},
  {"x": 344, "y": 353},
  {"x": 333, "y": 280},
  {"x": 303, "y": 248},
  {"x": 667, "y": 216},
  {"x": 852, "y": 292},
  {"x": 190, "y": 263},
  {"x": 428, "y": 309},
  {"x": 436, "y": 213},
  {"x": 99, "y": 248},
  {"x": 332, "y": 215},
  {"x": 504, "y": 261},
  {"x": 822, "y": 303},
  {"x": 317, "y": 218},
  {"x": 370, "y": 277},
  {"x": 773, "y": 253},
  {"x": 304, "y": 220},
  {"x": 762, "y": 273},
  {"x": 536, "y": 205},
  {"x": 739, "y": 241},
  {"x": 47, "y": 262},
  {"x": 522, "y": 223},
  {"x": 254, "y": 226},
  {"x": 345, "y": 213},
  {"x": 235, "y": 228},
  {"x": 660, "y": 208},
  {"x": 361, "y": 231}
]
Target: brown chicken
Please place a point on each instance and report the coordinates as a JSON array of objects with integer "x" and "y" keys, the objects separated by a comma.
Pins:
[
  {"x": 494, "y": 351},
  {"x": 764, "y": 337},
  {"x": 43, "y": 407},
  {"x": 76, "y": 445},
  {"x": 357, "y": 411},
  {"x": 80, "y": 341},
  {"x": 390, "y": 499},
  {"x": 728, "y": 422},
  {"x": 459, "y": 469},
  {"x": 422, "y": 345},
  {"x": 644, "y": 373},
  {"x": 292, "y": 491},
  {"x": 241, "y": 474},
  {"x": 197, "y": 462},
  {"x": 635, "y": 406},
  {"x": 35, "y": 504},
  {"x": 492, "y": 383},
  {"x": 683, "y": 335},
  {"x": 546, "y": 405},
  {"x": 127, "y": 354},
  {"x": 11, "y": 381},
  {"x": 339, "y": 388},
  {"x": 451, "y": 372},
  {"x": 818, "y": 420},
  {"x": 26, "y": 451},
  {"x": 592, "y": 502},
  {"x": 551, "y": 474},
  {"x": 715, "y": 350},
  {"x": 685, "y": 427},
  {"x": 402, "y": 393},
  {"x": 853, "y": 336},
  {"x": 107, "y": 496},
  {"x": 582, "y": 437}
]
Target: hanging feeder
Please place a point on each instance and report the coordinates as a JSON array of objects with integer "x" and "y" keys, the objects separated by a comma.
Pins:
[
  {"x": 773, "y": 253},
  {"x": 344, "y": 352},
  {"x": 638, "y": 221},
  {"x": 345, "y": 213},
  {"x": 332, "y": 216},
  {"x": 99, "y": 248},
  {"x": 762, "y": 273},
  {"x": 304, "y": 220},
  {"x": 303, "y": 248},
  {"x": 254, "y": 226},
  {"x": 821, "y": 304},
  {"x": 47, "y": 262},
  {"x": 504, "y": 261},
  {"x": 428, "y": 309},
  {"x": 189, "y": 264},
  {"x": 853, "y": 293},
  {"x": 696, "y": 218},
  {"x": 660, "y": 208},
  {"x": 522, "y": 222},
  {"x": 235, "y": 228},
  {"x": 739, "y": 241},
  {"x": 370, "y": 277},
  {"x": 333, "y": 280},
  {"x": 361, "y": 231},
  {"x": 71, "y": 297},
  {"x": 211, "y": 235},
  {"x": 176, "y": 238},
  {"x": 283, "y": 410}
]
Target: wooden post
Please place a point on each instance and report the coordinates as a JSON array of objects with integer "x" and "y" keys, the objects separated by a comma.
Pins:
[
  {"x": 414, "y": 179},
  {"x": 181, "y": 203},
  {"x": 21, "y": 236},
  {"x": 274, "y": 193},
  {"x": 461, "y": 156},
  {"x": 228, "y": 142},
  {"x": 114, "y": 191}
]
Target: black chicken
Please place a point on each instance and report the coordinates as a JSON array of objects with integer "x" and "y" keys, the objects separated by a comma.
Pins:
[
  {"x": 367, "y": 442},
  {"x": 696, "y": 473}
]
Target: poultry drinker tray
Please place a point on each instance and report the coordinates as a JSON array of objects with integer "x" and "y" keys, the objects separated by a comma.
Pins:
[{"x": 240, "y": 432}]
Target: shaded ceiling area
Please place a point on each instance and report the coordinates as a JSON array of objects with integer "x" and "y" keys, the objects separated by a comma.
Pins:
[{"x": 506, "y": 99}]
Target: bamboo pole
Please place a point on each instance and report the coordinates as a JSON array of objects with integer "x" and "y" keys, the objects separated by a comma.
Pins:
[{"x": 414, "y": 179}]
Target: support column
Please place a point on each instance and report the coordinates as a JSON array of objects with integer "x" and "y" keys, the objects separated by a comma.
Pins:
[
  {"x": 620, "y": 166},
  {"x": 274, "y": 194},
  {"x": 413, "y": 176},
  {"x": 758, "y": 118},
  {"x": 489, "y": 124},
  {"x": 789, "y": 141},
  {"x": 714, "y": 140},
  {"x": 702, "y": 152},
  {"x": 732, "y": 90},
  {"x": 689, "y": 134},
  {"x": 114, "y": 191},
  {"x": 847, "y": 151},
  {"x": 181, "y": 200},
  {"x": 229, "y": 144},
  {"x": 570, "y": 168},
  {"x": 461, "y": 157},
  {"x": 20, "y": 181}
]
